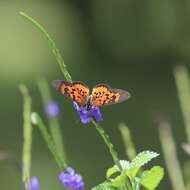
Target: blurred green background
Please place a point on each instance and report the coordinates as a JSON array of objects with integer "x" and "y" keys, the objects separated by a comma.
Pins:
[{"x": 128, "y": 44}]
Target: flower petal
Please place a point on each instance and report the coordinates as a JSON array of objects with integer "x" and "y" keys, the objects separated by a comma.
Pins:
[
  {"x": 95, "y": 111},
  {"x": 33, "y": 184},
  {"x": 52, "y": 109},
  {"x": 87, "y": 115},
  {"x": 71, "y": 180},
  {"x": 76, "y": 106}
]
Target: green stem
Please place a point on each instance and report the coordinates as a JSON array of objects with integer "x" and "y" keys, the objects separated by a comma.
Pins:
[
  {"x": 27, "y": 134},
  {"x": 170, "y": 154},
  {"x": 183, "y": 87},
  {"x": 52, "y": 45},
  {"x": 54, "y": 125},
  {"x": 137, "y": 186},
  {"x": 128, "y": 142},
  {"x": 109, "y": 144},
  {"x": 129, "y": 187},
  {"x": 36, "y": 120}
]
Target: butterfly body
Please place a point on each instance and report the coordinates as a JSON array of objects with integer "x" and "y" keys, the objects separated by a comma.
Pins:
[{"x": 101, "y": 95}]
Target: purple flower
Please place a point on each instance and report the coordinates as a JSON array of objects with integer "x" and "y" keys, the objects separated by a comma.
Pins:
[
  {"x": 33, "y": 184},
  {"x": 87, "y": 115},
  {"x": 71, "y": 180},
  {"x": 52, "y": 109}
]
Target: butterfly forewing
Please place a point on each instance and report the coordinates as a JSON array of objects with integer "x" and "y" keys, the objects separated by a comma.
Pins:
[
  {"x": 75, "y": 91},
  {"x": 103, "y": 94}
]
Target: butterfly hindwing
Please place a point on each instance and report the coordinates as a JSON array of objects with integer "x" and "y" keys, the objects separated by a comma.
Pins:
[
  {"x": 103, "y": 94},
  {"x": 75, "y": 91}
]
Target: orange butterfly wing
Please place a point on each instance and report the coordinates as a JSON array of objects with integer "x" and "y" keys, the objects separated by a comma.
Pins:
[
  {"x": 75, "y": 91},
  {"x": 102, "y": 95}
]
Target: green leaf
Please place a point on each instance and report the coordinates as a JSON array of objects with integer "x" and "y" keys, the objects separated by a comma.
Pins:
[
  {"x": 120, "y": 181},
  {"x": 151, "y": 178},
  {"x": 131, "y": 168},
  {"x": 125, "y": 167},
  {"x": 111, "y": 171},
  {"x": 132, "y": 172},
  {"x": 143, "y": 158},
  {"x": 105, "y": 186}
]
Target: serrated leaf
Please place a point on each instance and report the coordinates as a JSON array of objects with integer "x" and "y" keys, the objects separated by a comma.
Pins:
[
  {"x": 125, "y": 167},
  {"x": 143, "y": 158},
  {"x": 151, "y": 178},
  {"x": 105, "y": 186},
  {"x": 131, "y": 168}
]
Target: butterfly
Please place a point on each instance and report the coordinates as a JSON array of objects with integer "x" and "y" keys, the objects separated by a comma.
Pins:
[{"x": 101, "y": 95}]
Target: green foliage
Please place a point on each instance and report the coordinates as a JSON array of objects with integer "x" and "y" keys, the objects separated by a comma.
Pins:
[
  {"x": 131, "y": 168},
  {"x": 120, "y": 181},
  {"x": 105, "y": 186},
  {"x": 111, "y": 171},
  {"x": 151, "y": 178},
  {"x": 129, "y": 179},
  {"x": 143, "y": 158}
]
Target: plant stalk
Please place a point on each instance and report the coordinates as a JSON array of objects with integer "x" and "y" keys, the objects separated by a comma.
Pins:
[
  {"x": 27, "y": 135},
  {"x": 110, "y": 146}
]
